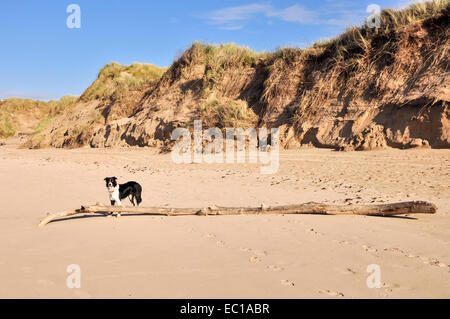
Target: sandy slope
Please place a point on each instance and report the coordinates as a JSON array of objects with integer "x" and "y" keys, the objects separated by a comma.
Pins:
[{"x": 228, "y": 256}]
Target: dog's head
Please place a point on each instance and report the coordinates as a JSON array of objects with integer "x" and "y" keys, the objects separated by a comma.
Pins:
[{"x": 111, "y": 183}]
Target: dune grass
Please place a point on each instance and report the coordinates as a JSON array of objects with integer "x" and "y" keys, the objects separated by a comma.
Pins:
[
  {"x": 224, "y": 112},
  {"x": 115, "y": 79},
  {"x": 47, "y": 111},
  {"x": 55, "y": 108},
  {"x": 357, "y": 37},
  {"x": 6, "y": 127},
  {"x": 43, "y": 123},
  {"x": 229, "y": 54},
  {"x": 220, "y": 57},
  {"x": 391, "y": 19}
]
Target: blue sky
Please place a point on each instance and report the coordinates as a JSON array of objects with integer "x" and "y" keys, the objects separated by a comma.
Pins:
[{"x": 41, "y": 58}]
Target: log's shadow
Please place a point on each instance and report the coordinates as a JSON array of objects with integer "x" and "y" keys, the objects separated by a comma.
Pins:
[
  {"x": 105, "y": 214},
  {"x": 98, "y": 215},
  {"x": 396, "y": 216}
]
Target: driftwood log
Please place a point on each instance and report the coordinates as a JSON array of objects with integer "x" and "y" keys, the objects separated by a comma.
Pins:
[{"x": 308, "y": 208}]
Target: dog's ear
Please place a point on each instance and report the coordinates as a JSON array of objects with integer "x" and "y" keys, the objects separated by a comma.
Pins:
[
  {"x": 106, "y": 179},
  {"x": 114, "y": 178}
]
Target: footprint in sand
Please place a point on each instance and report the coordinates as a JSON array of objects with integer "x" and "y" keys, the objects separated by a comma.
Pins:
[
  {"x": 274, "y": 268},
  {"x": 245, "y": 249},
  {"x": 395, "y": 250},
  {"x": 259, "y": 252},
  {"x": 286, "y": 282},
  {"x": 342, "y": 242},
  {"x": 220, "y": 243},
  {"x": 389, "y": 287},
  {"x": 370, "y": 249},
  {"x": 331, "y": 293},
  {"x": 312, "y": 231},
  {"x": 255, "y": 259},
  {"x": 210, "y": 235},
  {"x": 432, "y": 262},
  {"x": 347, "y": 271}
]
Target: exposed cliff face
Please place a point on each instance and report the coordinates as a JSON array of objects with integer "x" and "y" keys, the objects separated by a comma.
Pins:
[
  {"x": 361, "y": 91},
  {"x": 395, "y": 94}
]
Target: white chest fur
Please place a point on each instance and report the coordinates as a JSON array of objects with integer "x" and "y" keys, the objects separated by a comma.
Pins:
[{"x": 114, "y": 195}]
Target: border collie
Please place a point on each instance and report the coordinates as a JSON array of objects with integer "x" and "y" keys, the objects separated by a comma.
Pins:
[{"x": 117, "y": 192}]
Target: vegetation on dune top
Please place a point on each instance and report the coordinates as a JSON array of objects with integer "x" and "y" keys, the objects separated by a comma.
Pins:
[
  {"x": 46, "y": 111},
  {"x": 115, "y": 79},
  {"x": 220, "y": 57},
  {"x": 229, "y": 53},
  {"x": 217, "y": 59},
  {"x": 390, "y": 20},
  {"x": 53, "y": 107}
]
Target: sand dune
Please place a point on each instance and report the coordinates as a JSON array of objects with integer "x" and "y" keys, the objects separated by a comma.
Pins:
[{"x": 223, "y": 256}]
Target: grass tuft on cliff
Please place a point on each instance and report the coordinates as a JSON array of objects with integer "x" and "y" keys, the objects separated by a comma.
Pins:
[
  {"x": 115, "y": 79},
  {"x": 224, "y": 113}
]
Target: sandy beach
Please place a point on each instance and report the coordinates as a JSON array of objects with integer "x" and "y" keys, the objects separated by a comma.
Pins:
[{"x": 291, "y": 256}]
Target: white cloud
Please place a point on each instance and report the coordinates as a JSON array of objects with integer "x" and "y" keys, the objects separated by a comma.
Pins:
[
  {"x": 238, "y": 13},
  {"x": 232, "y": 28},
  {"x": 295, "y": 13},
  {"x": 331, "y": 13}
]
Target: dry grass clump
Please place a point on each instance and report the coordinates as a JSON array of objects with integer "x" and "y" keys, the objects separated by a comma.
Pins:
[
  {"x": 392, "y": 19},
  {"x": 14, "y": 105},
  {"x": 6, "y": 126},
  {"x": 287, "y": 54},
  {"x": 115, "y": 79},
  {"x": 225, "y": 113},
  {"x": 356, "y": 40},
  {"x": 219, "y": 58},
  {"x": 13, "y": 109}
]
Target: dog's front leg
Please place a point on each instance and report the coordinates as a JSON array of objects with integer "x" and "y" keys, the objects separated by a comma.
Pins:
[{"x": 113, "y": 202}]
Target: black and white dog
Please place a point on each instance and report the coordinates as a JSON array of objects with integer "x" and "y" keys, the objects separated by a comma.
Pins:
[{"x": 117, "y": 192}]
